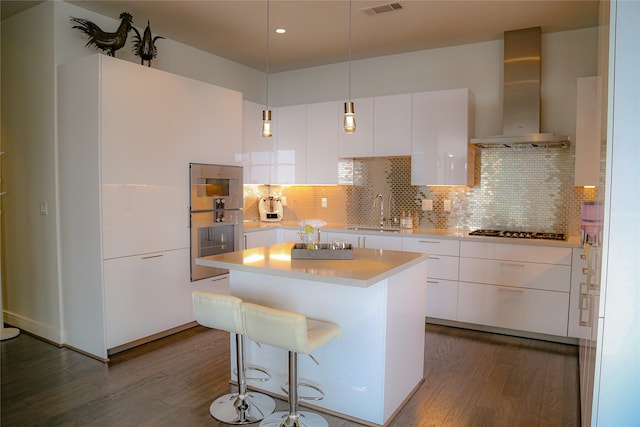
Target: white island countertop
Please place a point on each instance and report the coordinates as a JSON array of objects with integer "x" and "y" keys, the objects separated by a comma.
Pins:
[{"x": 368, "y": 267}]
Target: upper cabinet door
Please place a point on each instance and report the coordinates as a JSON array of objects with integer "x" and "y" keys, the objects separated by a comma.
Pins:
[
  {"x": 392, "y": 125},
  {"x": 258, "y": 152},
  {"x": 290, "y": 131},
  {"x": 324, "y": 125},
  {"x": 588, "y": 132},
  {"x": 359, "y": 143},
  {"x": 443, "y": 122},
  {"x": 152, "y": 125}
]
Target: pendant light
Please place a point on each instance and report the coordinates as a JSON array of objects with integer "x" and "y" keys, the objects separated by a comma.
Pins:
[
  {"x": 266, "y": 113},
  {"x": 349, "y": 112}
]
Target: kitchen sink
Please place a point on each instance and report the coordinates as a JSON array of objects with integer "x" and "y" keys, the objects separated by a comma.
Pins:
[{"x": 380, "y": 229}]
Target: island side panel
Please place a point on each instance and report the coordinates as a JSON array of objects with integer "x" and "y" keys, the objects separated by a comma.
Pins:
[
  {"x": 406, "y": 305},
  {"x": 352, "y": 367}
]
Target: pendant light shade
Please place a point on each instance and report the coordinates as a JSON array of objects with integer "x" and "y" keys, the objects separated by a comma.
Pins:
[
  {"x": 266, "y": 124},
  {"x": 349, "y": 122},
  {"x": 349, "y": 118},
  {"x": 266, "y": 113}
]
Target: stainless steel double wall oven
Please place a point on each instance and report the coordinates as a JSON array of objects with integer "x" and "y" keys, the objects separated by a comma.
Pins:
[{"x": 216, "y": 214}]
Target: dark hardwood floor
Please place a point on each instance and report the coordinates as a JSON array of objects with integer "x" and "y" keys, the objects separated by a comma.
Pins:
[{"x": 471, "y": 379}]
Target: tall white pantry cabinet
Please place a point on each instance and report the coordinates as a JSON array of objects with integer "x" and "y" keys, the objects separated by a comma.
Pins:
[{"x": 126, "y": 135}]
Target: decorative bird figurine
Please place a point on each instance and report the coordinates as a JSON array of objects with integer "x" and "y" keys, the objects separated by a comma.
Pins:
[
  {"x": 107, "y": 42},
  {"x": 145, "y": 46}
]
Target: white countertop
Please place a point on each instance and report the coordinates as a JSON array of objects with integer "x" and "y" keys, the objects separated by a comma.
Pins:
[
  {"x": 368, "y": 267},
  {"x": 571, "y": 242}
]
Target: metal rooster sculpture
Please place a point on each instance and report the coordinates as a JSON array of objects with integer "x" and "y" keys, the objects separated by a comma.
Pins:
[
  {"x": 145, "y": 46},
  {"x": 107, "y": 42}
]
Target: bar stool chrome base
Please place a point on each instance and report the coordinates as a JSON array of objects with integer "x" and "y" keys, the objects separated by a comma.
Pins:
[
  {"x": 299, "y": 419},
  {"x": 249, "y": 408}
]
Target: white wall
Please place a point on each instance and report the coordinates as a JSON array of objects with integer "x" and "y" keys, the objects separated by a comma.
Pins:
[
  {"x": 565, "y": 56},
  {"x": 30, "y": 264}
]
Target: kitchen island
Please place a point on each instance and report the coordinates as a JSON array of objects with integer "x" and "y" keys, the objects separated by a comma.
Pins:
[{"x": 378, "y": 300}]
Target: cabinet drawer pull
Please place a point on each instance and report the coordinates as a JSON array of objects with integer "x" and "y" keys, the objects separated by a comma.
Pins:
[
  {"x": 428, "y": 241},
  {"x": 585, "y": 306},
  {"x": 511, "y": 264},
  {"x": 151, "y": 256},
  {"x": 585, "y": 271},
  {"x": 220, "y": 277},
  {"x": 434, "y": 257},
  {"x": 512, "y": 290},
  {"x": 434, "y": 282}
]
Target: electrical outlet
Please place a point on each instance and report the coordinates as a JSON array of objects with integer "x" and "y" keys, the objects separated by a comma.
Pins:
[
  {"x": 427, "y": 204},
  {"x": 447, "y": 205},
  {"x": 44, "y": 209},
  {"x": 324, "y": 202}
]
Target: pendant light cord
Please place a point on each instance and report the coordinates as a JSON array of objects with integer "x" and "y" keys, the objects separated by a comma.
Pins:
[
  {"x": 267, "y": 56},
  {"x": 349, "y": 50}
]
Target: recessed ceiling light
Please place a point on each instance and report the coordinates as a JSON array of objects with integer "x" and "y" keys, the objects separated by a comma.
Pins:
[{"x": 280, "y": 30}]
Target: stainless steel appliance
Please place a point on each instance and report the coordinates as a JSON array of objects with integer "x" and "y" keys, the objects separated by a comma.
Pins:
[
  {"x": 521, "y": 88},
  {"x": 216, "y": 214},
  {"x": 519, "y": 234}
]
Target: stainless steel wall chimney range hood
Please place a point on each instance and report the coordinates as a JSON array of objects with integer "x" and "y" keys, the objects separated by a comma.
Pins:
[{"x": 521, "y": 94}]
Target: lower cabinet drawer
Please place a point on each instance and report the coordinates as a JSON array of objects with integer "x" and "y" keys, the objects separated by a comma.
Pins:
[
  {"x": 146, "y": 295},
  {"x": 522, "y": 309},
  {"x": 443, "y": 267},
  {"x": 551, "y": 277},
  {"x": 442, "y": 299}
]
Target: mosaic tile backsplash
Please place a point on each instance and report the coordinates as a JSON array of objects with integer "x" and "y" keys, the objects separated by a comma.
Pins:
[{"x": 520, "y": 188}]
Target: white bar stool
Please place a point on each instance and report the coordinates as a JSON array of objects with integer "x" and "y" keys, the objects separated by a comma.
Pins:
[
  {"x": 224, "y": 312},
  {"x": 297, "y": 334}
]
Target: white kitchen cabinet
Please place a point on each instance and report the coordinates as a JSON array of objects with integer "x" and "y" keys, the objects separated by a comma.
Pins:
[
  {"x": 258, "y": 238},
  {"x": 588, "y": 132},
  {"x": 145, "y": 295},
  {"x": 126, "y": 136},
  {"x": 516, "y": 273},
  {"x": 359, "y": 143},
  {"x": 290, "y": 132},
  {"x": 217, "y": 284},
  {"x": 323, "y": 143},
  {"x": 516, "y": 252},
  {"x": 443, "y": 122},
  {"x": 379, "y": 241},
  {"x": 258, "y": 152},
  {"x": 442, "y": 274},
  {"x": 292, "y": 235},
  {"x": 392, "y": 125},
  {"x": 366, "y": 240},
  {"x": 514, "y": 286},
  {"x": 516, "y": 308}
]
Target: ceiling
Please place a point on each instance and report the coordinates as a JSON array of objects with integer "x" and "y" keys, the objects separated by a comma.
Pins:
[{"x": 318, "y": 30}]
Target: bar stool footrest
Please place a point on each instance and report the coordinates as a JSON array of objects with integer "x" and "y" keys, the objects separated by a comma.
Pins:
[
  {"x": 301, "y": 419},
  {"x": 285, "y": 388}
]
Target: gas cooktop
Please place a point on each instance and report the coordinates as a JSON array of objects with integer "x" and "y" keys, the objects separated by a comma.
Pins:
[{"x": 519, "y": 234}]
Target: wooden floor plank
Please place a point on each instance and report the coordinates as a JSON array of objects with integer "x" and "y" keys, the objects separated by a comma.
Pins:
[{"x": 471, "y": 379}]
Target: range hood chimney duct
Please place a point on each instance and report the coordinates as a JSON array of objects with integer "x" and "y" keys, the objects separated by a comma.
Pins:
[{"x": 521, "y": 94}]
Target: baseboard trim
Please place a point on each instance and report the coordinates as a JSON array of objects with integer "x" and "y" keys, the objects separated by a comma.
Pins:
[
  {"x": 145, "y": 340},
  {"x": 503, "y": 331},
  {"x": 46, "y": 332}
]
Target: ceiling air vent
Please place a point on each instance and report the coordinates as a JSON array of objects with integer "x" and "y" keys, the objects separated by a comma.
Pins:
[{"x": 381, "y": 8}]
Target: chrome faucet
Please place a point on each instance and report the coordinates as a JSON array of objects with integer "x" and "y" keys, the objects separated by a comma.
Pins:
[{"x": 380, "y": 198}]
